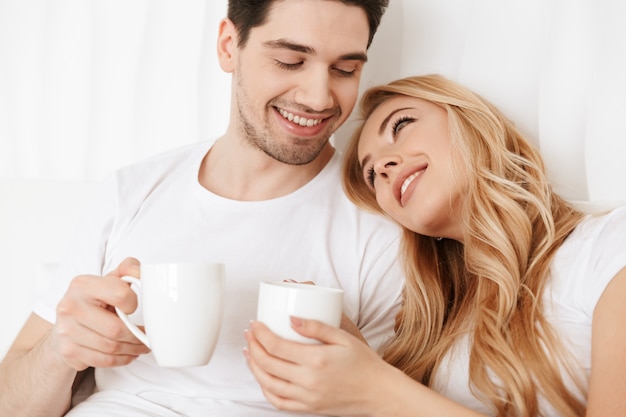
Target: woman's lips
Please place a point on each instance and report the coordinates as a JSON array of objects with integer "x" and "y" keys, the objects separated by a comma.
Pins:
[{"x": 406, "y": 183}]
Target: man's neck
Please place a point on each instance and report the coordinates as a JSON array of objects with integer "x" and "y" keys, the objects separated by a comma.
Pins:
[{"x": 248, "y": 174}]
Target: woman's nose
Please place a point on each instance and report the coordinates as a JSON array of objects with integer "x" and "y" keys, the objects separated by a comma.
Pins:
[{"x": 384, "y": 166}]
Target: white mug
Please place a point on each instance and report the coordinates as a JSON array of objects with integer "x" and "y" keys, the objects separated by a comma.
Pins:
[
  {"x": 182, "y": 306},
  {"x": 278, "y": 301}
]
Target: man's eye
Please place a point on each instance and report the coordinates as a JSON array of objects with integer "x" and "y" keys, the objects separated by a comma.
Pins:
[
  {"x": 287, "y": 66},
  {"x": 345, "y": 72},
  {"x": 347, "y": 69}
]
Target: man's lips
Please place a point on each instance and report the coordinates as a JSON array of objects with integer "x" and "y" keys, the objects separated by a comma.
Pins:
[
  {"x": 304, "y": 125},
  {"x": 404, "y": 184},
  {"x": 300, "y": 120}
]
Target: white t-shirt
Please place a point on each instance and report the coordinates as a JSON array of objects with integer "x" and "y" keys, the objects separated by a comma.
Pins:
[
  {"x": 582, "y": 268},
  {"x": 157, "y": 211}
]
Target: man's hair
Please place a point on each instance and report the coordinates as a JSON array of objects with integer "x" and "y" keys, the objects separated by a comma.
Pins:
[{"x": 248, "y": 14}]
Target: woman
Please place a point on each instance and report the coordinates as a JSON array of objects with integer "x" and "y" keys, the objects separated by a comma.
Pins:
[{"x": 513, "y": 298}]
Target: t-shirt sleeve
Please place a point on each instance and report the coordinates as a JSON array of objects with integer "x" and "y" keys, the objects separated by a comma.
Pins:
[
  {"x": 381, "y": 296},
  {"x": 607, "y": 256},
  {"x": 86, "y": 250}
]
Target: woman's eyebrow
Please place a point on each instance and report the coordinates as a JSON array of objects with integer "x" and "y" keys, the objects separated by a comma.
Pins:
[
  {"x": 383, "y": 125},
  {"x": 382, "y": 128},
  {"x": 365, "y": 161}
]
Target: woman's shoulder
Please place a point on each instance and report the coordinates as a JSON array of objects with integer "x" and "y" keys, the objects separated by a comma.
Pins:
[
  {"x": 610, "y": 221},
  {"x": 589, "y": 258}
]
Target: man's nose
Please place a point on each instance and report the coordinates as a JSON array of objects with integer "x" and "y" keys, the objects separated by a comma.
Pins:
[{"x": 315, "y": 91}]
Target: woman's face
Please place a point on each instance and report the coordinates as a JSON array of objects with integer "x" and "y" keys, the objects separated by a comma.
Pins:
[{"x": 407, "y": 159}]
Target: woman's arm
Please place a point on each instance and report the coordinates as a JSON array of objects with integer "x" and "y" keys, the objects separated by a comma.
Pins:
[
  {"x": 607, "y": 385},
  {"x": 341, "y": 377}
]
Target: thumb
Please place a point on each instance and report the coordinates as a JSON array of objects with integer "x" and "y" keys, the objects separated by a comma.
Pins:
[
  {"x": 130, "y": 301},
  {"x": 129, "y": 266},
  {"x": 318, "y": 330}
]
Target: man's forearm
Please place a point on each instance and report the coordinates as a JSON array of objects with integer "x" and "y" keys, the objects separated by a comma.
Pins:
[{"x": 35, "y": 383}]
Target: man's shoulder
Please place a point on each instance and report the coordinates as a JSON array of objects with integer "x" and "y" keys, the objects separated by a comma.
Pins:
[
  {"x": 166, "y": 161},
  {"x": 134, "y": 182}
]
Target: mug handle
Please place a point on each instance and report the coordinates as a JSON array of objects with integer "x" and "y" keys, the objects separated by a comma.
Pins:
[{"x": 143, "y": 338}]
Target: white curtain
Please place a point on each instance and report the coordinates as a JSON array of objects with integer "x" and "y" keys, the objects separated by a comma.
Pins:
[
  {"x": 90, "y": 85},
  {"x": 87, "y": 86}
]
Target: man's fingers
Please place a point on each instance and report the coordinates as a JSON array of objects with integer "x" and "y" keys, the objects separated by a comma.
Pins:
[
  {"x": 81, "y": 346},
  {"x": 79, "y": 318},
  {"x": 129, "y": 266},
  {"x": 87, "y": 291}
]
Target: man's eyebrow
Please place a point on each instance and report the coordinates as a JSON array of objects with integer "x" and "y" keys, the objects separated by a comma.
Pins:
[
  {"x": 292, "y": 46},
  {"x": 285, "y": 44},
  {"x": 356, "y": 56}
]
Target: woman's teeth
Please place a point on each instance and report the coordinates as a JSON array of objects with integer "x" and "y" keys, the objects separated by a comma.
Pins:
[
  {"x": 302, "y": 121},
  {"x": 408, "y": 181}
]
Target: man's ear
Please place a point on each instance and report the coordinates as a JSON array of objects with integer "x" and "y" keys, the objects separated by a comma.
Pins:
[{"x": 227, "y": 45}]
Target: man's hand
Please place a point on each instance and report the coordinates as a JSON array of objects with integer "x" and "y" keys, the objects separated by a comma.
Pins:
[{"x": 87, "y": 331}]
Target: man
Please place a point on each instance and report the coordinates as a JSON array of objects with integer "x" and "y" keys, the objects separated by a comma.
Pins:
[{"x": 265, "y": 199}]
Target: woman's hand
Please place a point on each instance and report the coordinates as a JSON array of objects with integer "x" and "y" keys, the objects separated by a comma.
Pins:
[
  {"x": 338, "y": 377},
  {"x": 346, "y": 324}
]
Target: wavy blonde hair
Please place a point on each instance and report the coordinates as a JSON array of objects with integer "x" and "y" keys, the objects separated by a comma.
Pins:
[{"x": 490, "y": 286}]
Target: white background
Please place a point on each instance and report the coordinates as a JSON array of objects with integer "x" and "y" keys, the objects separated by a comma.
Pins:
[{"x": 87, "y": 86}]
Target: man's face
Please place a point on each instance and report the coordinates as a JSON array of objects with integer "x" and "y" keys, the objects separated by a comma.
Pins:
[{"x": 297, "y": 78}]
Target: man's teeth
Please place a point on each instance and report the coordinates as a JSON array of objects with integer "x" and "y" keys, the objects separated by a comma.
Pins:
[
  {"x": 302, "y": 121},
  {"x": 408, "y": 181}
]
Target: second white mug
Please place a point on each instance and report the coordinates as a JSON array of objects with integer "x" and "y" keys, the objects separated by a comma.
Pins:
[
  {"x": 182, "y": 307},
  {"x": 278, "y": 301}
]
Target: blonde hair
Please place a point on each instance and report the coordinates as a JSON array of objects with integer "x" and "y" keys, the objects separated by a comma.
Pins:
[{"x": 490, "y": 287}]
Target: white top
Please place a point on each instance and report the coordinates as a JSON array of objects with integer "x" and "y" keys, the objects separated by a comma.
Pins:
[
  {"x": 590, "y": 257},
  {"x": 157, "y": 211}
]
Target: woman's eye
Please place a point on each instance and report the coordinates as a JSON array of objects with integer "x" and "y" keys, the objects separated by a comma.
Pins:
[
  {"x": 400, "y": 123},
  {"x": 370, "y": 176}
]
